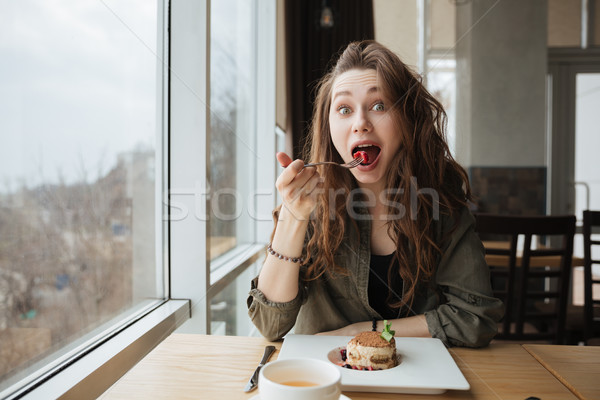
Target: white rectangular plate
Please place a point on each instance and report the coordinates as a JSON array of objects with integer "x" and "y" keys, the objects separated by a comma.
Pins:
[{"x": 426, "y": 366}]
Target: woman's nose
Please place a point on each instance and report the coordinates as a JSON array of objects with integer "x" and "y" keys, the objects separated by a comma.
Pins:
[{"x": 361, "y": 123}]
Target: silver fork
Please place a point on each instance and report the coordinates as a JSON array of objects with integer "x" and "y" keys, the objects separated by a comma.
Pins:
[{"x": 354, "y": 163}]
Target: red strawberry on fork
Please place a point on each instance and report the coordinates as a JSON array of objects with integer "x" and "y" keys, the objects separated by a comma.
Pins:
[{"x": 363, "y": 155}]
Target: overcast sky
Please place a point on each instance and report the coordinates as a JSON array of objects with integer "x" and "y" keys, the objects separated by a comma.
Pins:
[{"x": 77, "y": 87}]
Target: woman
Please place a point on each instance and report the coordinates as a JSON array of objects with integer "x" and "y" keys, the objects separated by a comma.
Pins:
[{"x": 390, "y": 239}]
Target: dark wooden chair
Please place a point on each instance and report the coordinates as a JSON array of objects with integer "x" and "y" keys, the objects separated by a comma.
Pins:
[
  {"x": 591, "y": 306},
  {"x": 519, "y": 284}
]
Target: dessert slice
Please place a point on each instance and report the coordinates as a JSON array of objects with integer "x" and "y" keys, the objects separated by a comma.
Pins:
[{"x": 372, "y": 350}]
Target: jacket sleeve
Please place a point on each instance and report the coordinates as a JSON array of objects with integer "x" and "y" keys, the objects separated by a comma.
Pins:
[
  {"x": 468, "y": 313},
  {"x": 273, "y": 319}
]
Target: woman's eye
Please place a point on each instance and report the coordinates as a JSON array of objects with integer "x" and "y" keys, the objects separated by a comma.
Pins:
[
  {"x": 344, "y": 110},
  {"x": 378, "y": 107}
]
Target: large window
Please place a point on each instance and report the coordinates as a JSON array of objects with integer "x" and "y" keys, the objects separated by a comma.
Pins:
[
  {"x": 229, "y": 314},
  {"x": 232, "y": 122},
  {"x": 130, "y": 201},
  {"x": 241, "y": 142},
  {"x": 80, "y": 169},
  {"x": 440, "y": 59}
]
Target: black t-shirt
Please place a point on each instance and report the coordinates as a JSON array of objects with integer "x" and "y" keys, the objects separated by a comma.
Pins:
[{"x": 379, "y": 288}]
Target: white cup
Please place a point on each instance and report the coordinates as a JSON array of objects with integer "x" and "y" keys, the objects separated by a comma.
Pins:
[{"x": 281, "y": 380}]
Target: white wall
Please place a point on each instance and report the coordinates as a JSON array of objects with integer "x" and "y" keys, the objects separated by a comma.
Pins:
[{"x": 396, "y": 26}]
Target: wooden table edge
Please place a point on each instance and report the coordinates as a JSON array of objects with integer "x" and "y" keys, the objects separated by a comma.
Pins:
[{"x": 554, "y": 372}]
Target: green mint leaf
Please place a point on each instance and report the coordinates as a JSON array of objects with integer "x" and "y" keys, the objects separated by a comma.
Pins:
[
  {"x": 387, "y": 336},
  {"x": 387, "y": 333}
]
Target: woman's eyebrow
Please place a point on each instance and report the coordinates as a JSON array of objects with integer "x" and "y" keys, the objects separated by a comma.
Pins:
[
  {"x": 373, "y": 89},
  {"x": 341, "y": 93}
]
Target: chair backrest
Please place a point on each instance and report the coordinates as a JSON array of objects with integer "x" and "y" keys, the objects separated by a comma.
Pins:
[
  {"x": 591, "y": 219},
  {"x": 538, "y": 275}
]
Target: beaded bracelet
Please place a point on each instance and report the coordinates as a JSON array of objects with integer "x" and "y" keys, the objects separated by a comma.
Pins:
[{"x": 285, "y": 258}]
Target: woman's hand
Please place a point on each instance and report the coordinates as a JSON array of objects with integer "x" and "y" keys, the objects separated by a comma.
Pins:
[
  {"x": 278, "y": 278},
  {"x": 298, "y": 187}
]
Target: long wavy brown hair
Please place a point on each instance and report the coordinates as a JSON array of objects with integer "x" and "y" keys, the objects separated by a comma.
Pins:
[{"x": 423, "y": 161}]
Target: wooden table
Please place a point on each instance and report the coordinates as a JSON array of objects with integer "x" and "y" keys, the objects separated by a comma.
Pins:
[
  {"x": 186, "y": 366},
  {"x": 577, "y": 367}
]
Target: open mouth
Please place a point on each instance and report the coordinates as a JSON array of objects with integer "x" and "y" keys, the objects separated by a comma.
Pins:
[{"x": 368, "y": 152}]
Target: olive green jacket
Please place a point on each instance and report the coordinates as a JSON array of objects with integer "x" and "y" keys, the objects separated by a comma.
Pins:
[{"x": 459, "y": 307}]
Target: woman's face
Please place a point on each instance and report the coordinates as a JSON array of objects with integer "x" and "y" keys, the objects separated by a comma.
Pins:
[{"x": 359, "y": 120}]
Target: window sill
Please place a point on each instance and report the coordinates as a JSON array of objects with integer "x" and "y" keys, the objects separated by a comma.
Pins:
[{"x": 92, "y": 374}]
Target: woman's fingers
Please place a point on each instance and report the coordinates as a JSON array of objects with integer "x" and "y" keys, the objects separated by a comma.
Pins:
[
  {"x": 294, "y": 176},
  {"x": 284, "y": 159},
  {"x": 315, "y": 182},
  {"x": 297, "y": 185},
  {"x": 303, "y": 178},
  {"x": 289, "y": 174}
]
